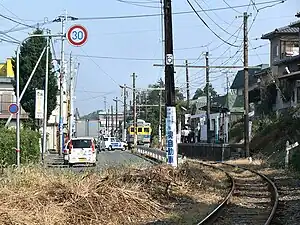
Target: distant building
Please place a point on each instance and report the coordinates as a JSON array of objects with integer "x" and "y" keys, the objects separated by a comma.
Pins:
[{"x": 7, "y": 93}]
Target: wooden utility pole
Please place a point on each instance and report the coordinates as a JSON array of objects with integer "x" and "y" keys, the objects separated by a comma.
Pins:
[
  {"x": 171, "y": 140},
  {"x": 187, "y": 84},
  {"x": 106, "y": 122},
  {"x": 112, "y": 121},
  {"x": 207, "y": 99},
  {"x": 160, "y": 119},
  {"x": 134, "y": 109},
  {"x": 125, "y": 112},
  {"x": 246, "y": 88},
  {"x": 117, "y": 125}
]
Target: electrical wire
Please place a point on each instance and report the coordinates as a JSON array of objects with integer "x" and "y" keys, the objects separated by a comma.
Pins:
[
  {"x": 209, "y": 27},
  {"x": 175, "y": 13},
  {"x": 138, "y": 4},
  {"x": 213, "y": 20},
  {"x": 231, "y": 7},
  {"x": 110, "y": 77}
]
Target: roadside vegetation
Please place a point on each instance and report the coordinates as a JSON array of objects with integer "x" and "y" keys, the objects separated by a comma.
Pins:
[
  {"x": 29, "y": 144},
  {"x": 34, "y": 195},
  {"x": 269, "y": 137}
]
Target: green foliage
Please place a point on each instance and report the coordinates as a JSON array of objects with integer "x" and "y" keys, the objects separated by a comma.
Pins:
[
  {"x": 202, "y": 92},
  {"x": 29, "y": 53},
  {"x": 30, "y": 150},
  {"x": 151, "y": 114},
  {"x": 268, "y": 100},
  {"x": 271, "y": 136}
]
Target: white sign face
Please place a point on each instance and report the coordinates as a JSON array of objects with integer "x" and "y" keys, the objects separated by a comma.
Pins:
[
  {"x": 77, "y": 35},
  {"x": 169, "y": 59},
  {"x": 39, "y": 104},
  {"x": 171, "y": 141}
]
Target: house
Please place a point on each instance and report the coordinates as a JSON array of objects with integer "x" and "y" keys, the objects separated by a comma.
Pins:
[
  {"x": 284, "y": 69},
  {"x": 7, "y": 93},
  {"x": 219, "y": 119}
]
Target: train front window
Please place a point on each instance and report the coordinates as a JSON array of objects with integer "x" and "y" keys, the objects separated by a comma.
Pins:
[
  {"x": 140, "y": 129},
  {"x": 146, "y": 130},
  {"x": 131, "y": 129}
]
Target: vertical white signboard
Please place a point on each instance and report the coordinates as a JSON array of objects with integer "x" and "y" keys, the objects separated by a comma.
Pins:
[
  {"x": 171, "y": 142},
  {"x": 39, "y": 104}
]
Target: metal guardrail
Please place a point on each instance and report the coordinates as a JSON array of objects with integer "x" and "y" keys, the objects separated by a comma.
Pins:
[{"x": 153, "y": 153}]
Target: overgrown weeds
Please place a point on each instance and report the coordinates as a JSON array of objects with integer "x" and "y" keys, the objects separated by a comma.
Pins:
[{"x": 33, "y": 195}]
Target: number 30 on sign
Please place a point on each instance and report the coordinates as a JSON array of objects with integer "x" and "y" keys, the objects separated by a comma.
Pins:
[{"x": 77, "y": 35}]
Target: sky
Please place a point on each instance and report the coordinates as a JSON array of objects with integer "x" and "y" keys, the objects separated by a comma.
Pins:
[{"x": 118, "y": 47}]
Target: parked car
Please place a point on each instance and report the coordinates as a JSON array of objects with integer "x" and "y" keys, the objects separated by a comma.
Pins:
[
  {"x": 112, "y": 143},
  {"x": 81, "y": 150}
]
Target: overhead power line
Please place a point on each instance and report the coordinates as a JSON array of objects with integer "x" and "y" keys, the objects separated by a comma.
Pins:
[
  {"x": 218, "y": 36},
  {"x": 175, "y": 13}
]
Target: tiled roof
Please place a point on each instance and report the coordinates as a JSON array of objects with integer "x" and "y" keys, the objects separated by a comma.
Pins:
[
  {"x": 238, "y": 81},
  {"x": 287, "y": 60},
  {"x": 281, "y": 30}
]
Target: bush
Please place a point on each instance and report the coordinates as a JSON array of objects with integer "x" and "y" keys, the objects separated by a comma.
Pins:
[{"x": 30, "y": 148}]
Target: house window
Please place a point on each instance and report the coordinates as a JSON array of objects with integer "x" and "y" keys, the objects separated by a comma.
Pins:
[
  {"x": 1, "y": 103},
  {"x": 276, "y": 51},
  {"x": 298, "y": 94},
  {"x": 290, "y": 48},
  {"x": 213, "y": 125}
]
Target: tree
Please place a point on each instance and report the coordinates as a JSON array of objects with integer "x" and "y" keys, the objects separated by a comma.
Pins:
[
  {"x": 151, "y": 114},
  {"x": 29, "y": 53},
  {"x": 202, "y": 92}
]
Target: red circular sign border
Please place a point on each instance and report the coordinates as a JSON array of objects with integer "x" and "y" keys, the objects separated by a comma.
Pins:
[
  {"x": 16, "y": 106},
  {"x": 85, "y": 35}
]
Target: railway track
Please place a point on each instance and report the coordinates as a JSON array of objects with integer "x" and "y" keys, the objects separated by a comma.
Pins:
[{"x": 253, "y": 198}]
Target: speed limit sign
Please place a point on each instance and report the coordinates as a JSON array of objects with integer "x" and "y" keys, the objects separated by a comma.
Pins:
[
  {"x": 169, "y": 59},
  {"x": 77, "y": 35}
]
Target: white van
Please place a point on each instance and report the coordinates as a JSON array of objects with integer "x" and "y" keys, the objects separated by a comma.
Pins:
[{"x": 82, "y": 150}]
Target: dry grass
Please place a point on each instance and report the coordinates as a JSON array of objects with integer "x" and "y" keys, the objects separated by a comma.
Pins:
[{"x": 34, "y": 195}]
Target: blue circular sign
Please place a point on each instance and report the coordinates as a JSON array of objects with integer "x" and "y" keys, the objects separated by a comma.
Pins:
[{"x": 13, "y": 108}]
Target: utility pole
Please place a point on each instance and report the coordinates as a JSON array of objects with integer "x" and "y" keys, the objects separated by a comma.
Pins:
[
  {"x": 207, "y": 100},
  {"x": 106, "y": 124},
  {"x": 134, "y": 109},
  {"x": 246, "y": 91},
  {"x": 159, "y": 124},
  {"x": 187, "y": 84},
  {"x": 227, "y": 91},
  {"x": 45, "y": 103},
  {"x": 112, "y": 121},
  {"x": 171, "y": 140},
  {"x": 61, "y": 89},
  {"x": 125, "y": 112},
  {"x": 117, "y": 125},
  {"x": 71, "y": 98}
]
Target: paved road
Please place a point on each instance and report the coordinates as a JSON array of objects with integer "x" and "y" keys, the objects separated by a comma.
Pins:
[{"x": 106, "y": 159}]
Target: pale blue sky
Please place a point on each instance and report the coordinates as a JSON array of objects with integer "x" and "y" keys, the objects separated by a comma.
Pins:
[{"x": 141, "y": 39}]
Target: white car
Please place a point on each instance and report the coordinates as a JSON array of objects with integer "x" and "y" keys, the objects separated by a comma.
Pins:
[
  {"x": 81, "y": 150},
  {"x": 112, "y": 143}
]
